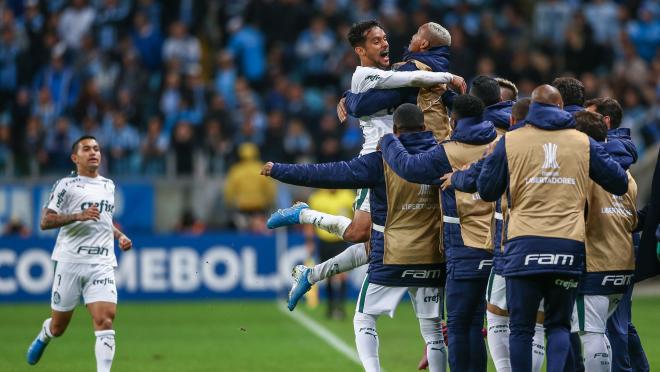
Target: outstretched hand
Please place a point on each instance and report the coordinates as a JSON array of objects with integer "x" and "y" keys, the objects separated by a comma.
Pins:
[{"x": 267, "y": 168}]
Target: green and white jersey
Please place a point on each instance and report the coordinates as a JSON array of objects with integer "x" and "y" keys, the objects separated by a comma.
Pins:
[
  {"x": 89, "y": 242},
  {"x": 380, "y": 123}
]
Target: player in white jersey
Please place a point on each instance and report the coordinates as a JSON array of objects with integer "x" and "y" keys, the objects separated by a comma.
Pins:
[
  {"x": 369, "y": 41},
  {"x": 82, "y": 205}
]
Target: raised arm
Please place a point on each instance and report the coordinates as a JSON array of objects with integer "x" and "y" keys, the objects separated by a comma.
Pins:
[
  {"x": 398, "y": 79},
  {"x": 494, "y": 176},
  {"x": 372, "y": 101},
  {"x": 605, "y": 171},
  {"x": 425, "y": 168},
  {"x": 361, "y": 172}
]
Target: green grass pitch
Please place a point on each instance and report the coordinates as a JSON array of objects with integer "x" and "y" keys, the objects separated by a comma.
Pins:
[{"x": 231, "y": 336}]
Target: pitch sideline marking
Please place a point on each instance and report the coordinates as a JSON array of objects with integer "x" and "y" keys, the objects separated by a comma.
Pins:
[{"x": 322, "y": 332}]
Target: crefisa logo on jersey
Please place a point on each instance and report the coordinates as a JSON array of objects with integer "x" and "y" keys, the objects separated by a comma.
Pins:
[{"x": 103, "y": 206}]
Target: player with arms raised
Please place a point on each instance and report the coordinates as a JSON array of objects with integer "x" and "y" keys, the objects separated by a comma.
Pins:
[
  {"x": 369, "y": 41},
  {"x": 82, "y": 205}
]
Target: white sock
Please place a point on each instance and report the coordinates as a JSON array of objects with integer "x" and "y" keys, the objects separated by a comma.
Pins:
[
  {"x": 498, "y": 341},
  {"x": 595, "y": 352},
  {"x": 44, "y": 334},
  {"x": 352, "y": 257},
  {"x": 538, "y": 348},
  {"x": 104, "y": 350},
  {"x": 436, "y": 352},
  {"x": 366, "y": 340},
  {"x": 333, "y": 224}
]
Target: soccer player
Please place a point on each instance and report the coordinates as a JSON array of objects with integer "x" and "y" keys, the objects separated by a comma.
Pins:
[
  {"x": 428, "y": 51},
  {"x": 572, "y": 93},
  {"x": 508, "y": 90},
  {"x": 406, "y": 253},
  {"x": 627, "y": 348},
  {"x": 466, "y": 226},
  {"x": 497, "y": 111},
  {"x": 369, "y": 41},
  {"x": 496, "y": 309},
  {"x": 610, "y": 260},
  {"x": 546, "y": 166},
  {"x": 82, "y": 205}
]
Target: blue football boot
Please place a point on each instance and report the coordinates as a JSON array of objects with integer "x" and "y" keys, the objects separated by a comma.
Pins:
[{"x": 287, "y": 216}]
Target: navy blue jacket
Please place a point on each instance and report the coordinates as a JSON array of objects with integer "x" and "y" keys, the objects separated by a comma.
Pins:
[
  {"x": 374, "y": 100},
  {"x": 573, "y": 109},
  {"x": 494, "y": 178},
  {"x": 499, "y": 114},
  {"x": 366, "y": 172},
  {"x": 623, "y": 151},
  {"x": 463, "y": 262}
]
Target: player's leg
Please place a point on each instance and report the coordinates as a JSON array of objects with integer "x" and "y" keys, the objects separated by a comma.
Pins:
[
  {"x": 465, "y": 314},
  {"x": 64, "y": 298},
  {"x": 356, "y": 230},
  {"x": 523, "y": 295},
  {"x": 592, "y": 315},
  {"x": 373, "y": 301},
  {"x": 617, "y": 334},
  {"x": 498, "y": 322},
  {"x": 559, "y": 295},
  {"x": 428, "y": 304},
  {"x": 538, "y": 342},
  {"x": 103, "y": 315},
  {"x": 352, "y": 257},
  {"x": 100, "y": 295},
  {"x": 478, "y": 353},
  {"x": 638, "y": 358}
]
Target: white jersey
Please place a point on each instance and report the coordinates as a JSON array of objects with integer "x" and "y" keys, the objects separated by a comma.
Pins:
[
  {"x": 380, "y": 123},
  {"x": 89, "y": 242}
]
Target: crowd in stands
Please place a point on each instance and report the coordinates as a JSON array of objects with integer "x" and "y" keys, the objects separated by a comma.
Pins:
[{"x": 176, "y": 87}]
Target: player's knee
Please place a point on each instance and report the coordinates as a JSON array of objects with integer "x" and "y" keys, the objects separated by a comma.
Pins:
[
  {"x": 104, "y": 322},
  {"x": 356, "y": 234}
]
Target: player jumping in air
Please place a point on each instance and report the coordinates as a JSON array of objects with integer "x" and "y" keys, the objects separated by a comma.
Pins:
[
  {"x": 82, "y": 205},
  {"x": 370, "y": 44}
]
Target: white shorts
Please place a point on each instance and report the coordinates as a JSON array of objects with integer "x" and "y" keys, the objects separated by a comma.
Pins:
[
  {"x": 496, "y": 292},
  {"x": 362, "y": 201},
  {"x": 590, "y": 312},
  {"x": 95, "y": 282},
  {"x": 376, "y": 299}
]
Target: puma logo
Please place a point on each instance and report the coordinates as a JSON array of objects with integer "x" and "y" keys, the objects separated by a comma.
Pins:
[{"x": 108, "y": 345}]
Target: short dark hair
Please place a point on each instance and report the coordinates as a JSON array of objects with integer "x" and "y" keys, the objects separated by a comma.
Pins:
[
  {"x": 507, "y": 84},
  {"x": 408, "y": 118},
  {"x": 486, "y": 89},
  {"x": 520, "y": 109},
  {"x": 570, "y": 89},
  {"x": 592, "y": 124},
  {"x": 74, "y": 147},
  {"x": 607, "y": 106},
  {"x": 357, "y": 34},
  {"x": 466, "y": 106}
]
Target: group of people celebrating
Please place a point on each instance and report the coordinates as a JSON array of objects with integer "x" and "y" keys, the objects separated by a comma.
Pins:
[{"x": 519, "y": 212}]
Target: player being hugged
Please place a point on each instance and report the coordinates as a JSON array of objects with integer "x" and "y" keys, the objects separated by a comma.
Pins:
[{"x": 82, "y": 205}]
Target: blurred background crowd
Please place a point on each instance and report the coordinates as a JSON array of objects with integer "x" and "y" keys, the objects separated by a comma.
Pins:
[{"x": 185, "y": 88}]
